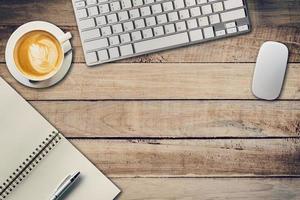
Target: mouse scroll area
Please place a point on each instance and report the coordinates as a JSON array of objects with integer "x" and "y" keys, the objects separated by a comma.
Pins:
[{"x": 270, "y": 70}]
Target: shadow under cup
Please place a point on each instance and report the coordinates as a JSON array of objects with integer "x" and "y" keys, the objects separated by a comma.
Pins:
[{"x": 38, "y": 55}]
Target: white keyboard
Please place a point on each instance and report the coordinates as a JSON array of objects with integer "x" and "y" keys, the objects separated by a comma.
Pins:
[{"x": 115, "y": 29}]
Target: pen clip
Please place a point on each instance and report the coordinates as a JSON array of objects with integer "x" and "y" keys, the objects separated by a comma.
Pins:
[{"x": 70, "y": 178}]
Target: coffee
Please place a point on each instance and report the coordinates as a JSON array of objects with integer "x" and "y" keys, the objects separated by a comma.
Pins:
[{"x": 38, "y": 54}]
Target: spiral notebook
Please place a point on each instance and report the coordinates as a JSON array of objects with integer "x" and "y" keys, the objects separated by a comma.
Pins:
[{"x": 35, "y": 157}]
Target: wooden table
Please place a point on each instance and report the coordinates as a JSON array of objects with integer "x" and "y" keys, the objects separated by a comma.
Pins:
[{"x": 181, "y": 124}]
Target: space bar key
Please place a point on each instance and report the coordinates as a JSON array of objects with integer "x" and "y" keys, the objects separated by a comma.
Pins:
[{"x": 162, "y": 42}]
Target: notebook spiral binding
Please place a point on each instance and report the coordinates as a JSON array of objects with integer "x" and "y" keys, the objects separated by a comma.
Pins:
[{"x": 28, "y": 164}]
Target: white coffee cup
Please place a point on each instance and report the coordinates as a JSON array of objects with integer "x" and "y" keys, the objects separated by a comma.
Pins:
[{"x": 53, "y": 30}]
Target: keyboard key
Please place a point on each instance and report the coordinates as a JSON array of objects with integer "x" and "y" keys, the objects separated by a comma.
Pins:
[
  {"x": 128, "y": 26},
  {"x": 231, "y": 30},
  {"x": 233, "y": 15},
  {"x": 196, "y": 35},
  {"x": 180, "y": 26},
  {"x": 162, "y": 42},
  {"x": 126, "y": 4},
  {"x": 201, "y": 2},
  {"x": 136, "y": 35},
  {"x": 145, "y": 11},
  {"x": 91, "y": 34},
  {"x": 149, "y": 1},
  {"x": 168, "y": 6},
  {"x": 81, "y": 13},
  {"x": 115, "y": 6},
  {"x": 203, "y": 21},
  {"x": 190, "y": 2},
  {"x": 87, "y": 23},
  {"x": 220, "y": 33},
  {"x": 147, "y": 33},
  {"x": 156, "y": 8},
  {"x": 161, "y": 19},
  {"x": 91, "y": 57},
  {"x": 150, "y": 21},
  {"x": 230, "y": 25},
  {"x": 140, "y": 23},
  {"x": 184, "y": 14},
  {"x": 101, "y": 43},
  {"x": 93, "y": 11},
  {"x": 125, "y": 38},
  {"x": 114, "y": 40},
  {"x": 243, "y": 28},
  {"x": 104, "y": 8},
  {"x": 218, "y": 7},
  {"x": 192, "y": 23},
  {"x": 80, "y": 4},
  {"x": 208, "y": 32},
  {"x": 214, "y": 19},
  {"x": 96, "y": 44},
  {"x": 105, "y": 31},
  {"x": 173, "y": 16},
  {"x": 206, "y": 9},
  {"x": 230, "y": 4},
  {"x": 91, "y": 2},
  {"x": 123, "y": 16},
  {"x": 101, "y": 20},
  {"x": 137, "y": 2},
  {"x": 126, "y": 50},
  {"x": 179, "y": 4},
  {"x": 169, "y": 28},
  {"x": 134, "y": 13},
  {"x": 114, "y": 52},
  {"x": 112, "y": 18},
  {"x": 195, "y": 11},
  {"x": 158, "y": 31},
  {"x": 117, "y": 28},
  {"x": 103, "y": 55}
]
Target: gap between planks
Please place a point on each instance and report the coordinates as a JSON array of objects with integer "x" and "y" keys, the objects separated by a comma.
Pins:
[{"x": 209, "y": 177}]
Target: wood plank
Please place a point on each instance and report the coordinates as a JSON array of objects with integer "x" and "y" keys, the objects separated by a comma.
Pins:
[
  {"x": 173, "y": 118},
  {"x": 203, "y": 188},
  {"x": 157, "y": 81},
  {"x": 270, "y": 12},
  {"x": 144, "y": 158},
  {"x": 272, "y": 20}
]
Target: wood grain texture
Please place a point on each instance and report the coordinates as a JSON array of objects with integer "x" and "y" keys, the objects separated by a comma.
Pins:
[
  {"x": 61, "y": 12},
  {"x": 203, "y": 188},
  {"x": 193, "y": 157},
  {"x": 272, "y": 20},
  {"x": 173, "y": 118},
  {"x": 156, "y": 81},
  {"x": 188, "y": 114}
]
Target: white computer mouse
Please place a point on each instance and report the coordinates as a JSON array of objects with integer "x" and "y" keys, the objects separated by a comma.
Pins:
[{"x": 270, "y": 70}]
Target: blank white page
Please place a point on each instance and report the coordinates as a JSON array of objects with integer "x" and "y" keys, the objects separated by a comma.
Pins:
[{"x": 22, "y": 129}]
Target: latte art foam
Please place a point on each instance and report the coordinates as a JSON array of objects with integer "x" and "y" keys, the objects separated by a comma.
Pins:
[
  {"x": 42, "y": 56},
  {"x": 38, "y": 53}
]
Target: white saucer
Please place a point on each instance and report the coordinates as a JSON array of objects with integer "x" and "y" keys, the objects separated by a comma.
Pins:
[{"x": 11, "y": 65}]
